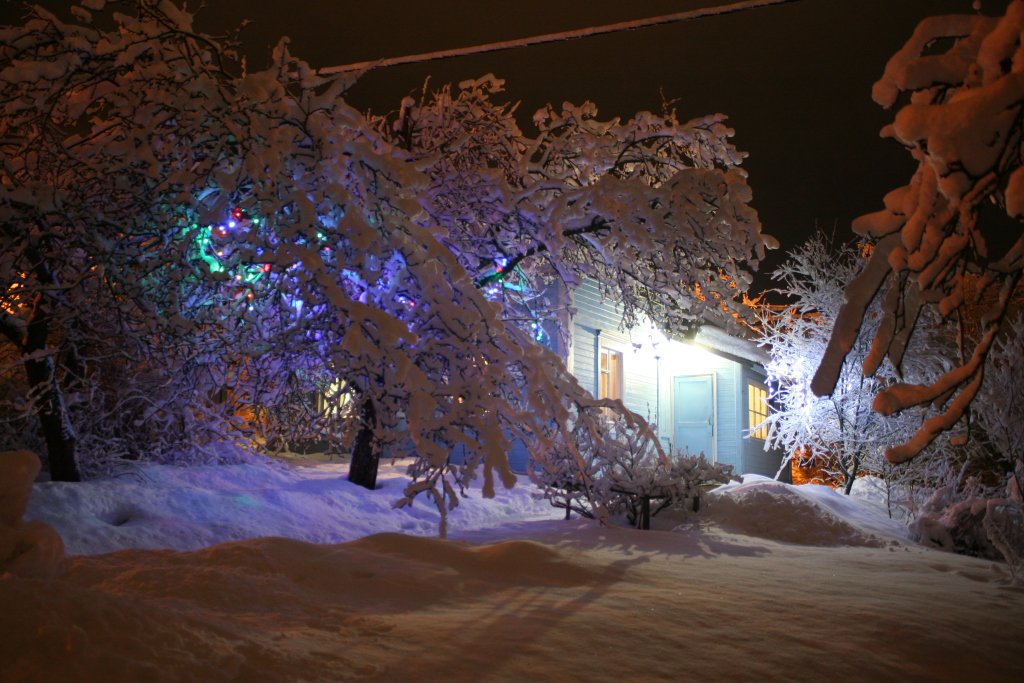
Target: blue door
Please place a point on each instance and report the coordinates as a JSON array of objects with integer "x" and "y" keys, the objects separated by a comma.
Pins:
[{"x": 694, "y": 419}]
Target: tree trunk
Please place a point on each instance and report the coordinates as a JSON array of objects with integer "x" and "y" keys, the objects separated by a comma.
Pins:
[
  {"x": 40, "y": 371},
  {"x": 365, "y": 451},
  {"x": 851, "y": 474},
  {"x": 53, "y": 420}
]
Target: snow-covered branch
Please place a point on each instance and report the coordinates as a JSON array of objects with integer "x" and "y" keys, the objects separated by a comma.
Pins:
[{"x": 963, "y": 124}]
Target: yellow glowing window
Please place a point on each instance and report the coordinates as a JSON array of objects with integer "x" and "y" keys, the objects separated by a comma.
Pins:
[
  {"x": 610, "y": 385},
  {"x": 757, "y": 411}
]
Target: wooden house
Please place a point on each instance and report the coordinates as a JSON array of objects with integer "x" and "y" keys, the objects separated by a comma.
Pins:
[{"x": 706, "y": 395}]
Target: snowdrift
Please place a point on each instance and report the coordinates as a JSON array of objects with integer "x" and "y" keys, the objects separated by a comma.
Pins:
[
  {"x": 532, "y": 598},
  {"x": 27, "y": 548},
  {"x": 810, "y": 514}
]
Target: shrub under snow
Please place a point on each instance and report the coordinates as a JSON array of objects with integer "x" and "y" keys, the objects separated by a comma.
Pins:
[
  {"x": 619, "y": 471},
  {"x": 978, "y": 525}
]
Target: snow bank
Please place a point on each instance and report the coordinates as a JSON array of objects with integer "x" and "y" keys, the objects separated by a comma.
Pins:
[
  {"x": 809, "y": 514},
  {"x": 29, "y": 549},
  {"x": 583, "y": 603},
  {"x": 159, "y": 506},
  {"x": 187, "y": 508},
  {"x": 816, "y": 590}
]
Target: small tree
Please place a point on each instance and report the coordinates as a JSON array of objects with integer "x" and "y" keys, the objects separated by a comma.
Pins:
[
  {"x": 569, "y": 476},
  {"x": 624, "y": 473},
  {"x": 840, "y": 431}
]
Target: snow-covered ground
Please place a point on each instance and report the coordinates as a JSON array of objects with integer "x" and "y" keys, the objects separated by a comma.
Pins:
[
  {"x": 190, "y": 508},
  {"x": 289, "y": 573}
]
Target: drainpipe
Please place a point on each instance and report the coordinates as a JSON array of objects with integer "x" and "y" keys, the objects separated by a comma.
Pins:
[{"x": 657, "y": 390}]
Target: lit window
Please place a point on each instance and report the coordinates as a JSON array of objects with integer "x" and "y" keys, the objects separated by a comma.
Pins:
[
  {"x": 334, "y": 398},
  {"x": 757, "y": 411},
  {"x": 610, "y": 385}
]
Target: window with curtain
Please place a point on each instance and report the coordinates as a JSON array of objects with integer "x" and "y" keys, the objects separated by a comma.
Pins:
[{"x": 610, "y": 384}]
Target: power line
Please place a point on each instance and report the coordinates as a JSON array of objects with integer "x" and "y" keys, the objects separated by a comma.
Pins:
[{"x": 575, "y": 34}]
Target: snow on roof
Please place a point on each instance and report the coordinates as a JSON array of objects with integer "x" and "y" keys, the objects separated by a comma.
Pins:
[{"x": 717, "y": 339}]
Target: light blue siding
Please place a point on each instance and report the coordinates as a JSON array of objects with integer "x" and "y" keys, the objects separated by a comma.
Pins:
[
  {"x": 518, "y": 457},
  {"x": 650, "y": 364},
  {"x": 596, "y": 325},
  {"x": 756, "y": 459},
  {"x": 729, "y": 449}
]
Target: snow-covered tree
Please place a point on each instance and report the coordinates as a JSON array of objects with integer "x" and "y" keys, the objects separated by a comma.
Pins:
[
  {"x": 634, "y": 481},
  {"x": 624, "y": 473},
  {"x": 977, "y": 508},
  {"x": 958, "y": 85},
  {"x": 254, "y": 229},
  {"x": 839, "y": 432},
  {"x": 655, "y": 210},
  {"x": 121, "y": 149},
  {"x": 94, "y": 165},
  {"x": 1000, "y": 418}
]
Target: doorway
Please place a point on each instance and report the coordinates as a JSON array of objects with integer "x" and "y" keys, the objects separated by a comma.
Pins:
[{"x": 694, "y": 415}]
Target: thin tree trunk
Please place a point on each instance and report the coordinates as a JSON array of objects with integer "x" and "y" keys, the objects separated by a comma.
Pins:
[
  {"x": 365, "y": 450},
  {"x": 53, "y": 420},
  {"x": 44, "y": 389},
  {"x": 851, "y": 474},
  {"x": 40, "y": 371}
]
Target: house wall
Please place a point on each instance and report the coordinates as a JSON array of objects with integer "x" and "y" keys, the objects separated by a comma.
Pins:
[
  {"x": 596, "y": 324},
  {"x": 755, "y": 458},
  {"x": 650, "y": 364}
]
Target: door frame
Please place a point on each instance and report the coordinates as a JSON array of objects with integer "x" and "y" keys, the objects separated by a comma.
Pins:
[{"x": 713, "y": 456}]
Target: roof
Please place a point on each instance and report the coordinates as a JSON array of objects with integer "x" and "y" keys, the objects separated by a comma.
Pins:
[{"x": 716, "y": 339}]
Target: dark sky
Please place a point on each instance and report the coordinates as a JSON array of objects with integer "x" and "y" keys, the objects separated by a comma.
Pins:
[{"x": 794, "y": 79}]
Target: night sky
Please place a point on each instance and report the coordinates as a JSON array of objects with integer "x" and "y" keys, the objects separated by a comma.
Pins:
[{"x": 794, "y": 79}]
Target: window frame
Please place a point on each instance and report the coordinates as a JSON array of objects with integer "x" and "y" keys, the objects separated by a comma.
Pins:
[
  {"x": 610, "y": 375},
  {"x": 758, "y": 410}
]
